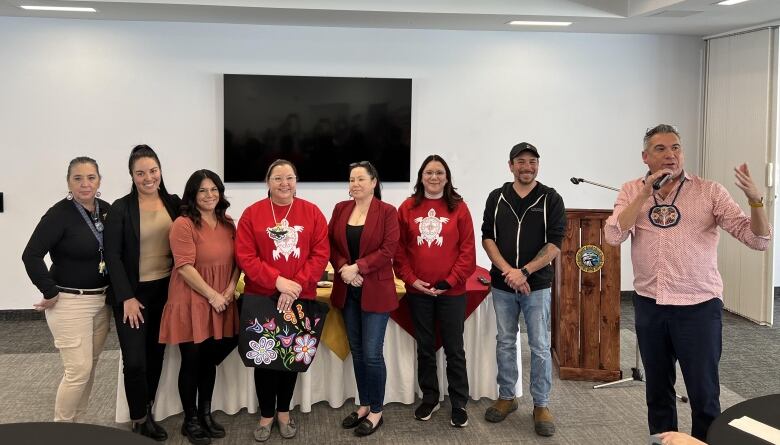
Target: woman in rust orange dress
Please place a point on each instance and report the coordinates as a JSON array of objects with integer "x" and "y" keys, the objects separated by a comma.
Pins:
[{"x": 200, "y": 315}]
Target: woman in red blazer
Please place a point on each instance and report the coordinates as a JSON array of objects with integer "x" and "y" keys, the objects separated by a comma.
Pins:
[{"x": 363, "y": 238}]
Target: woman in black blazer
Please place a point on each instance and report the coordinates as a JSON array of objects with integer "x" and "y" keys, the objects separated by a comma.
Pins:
[{"x": 139, "y": 264}]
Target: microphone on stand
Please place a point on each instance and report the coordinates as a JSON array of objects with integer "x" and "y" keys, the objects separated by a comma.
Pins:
[{"x": 577, "y": 181}]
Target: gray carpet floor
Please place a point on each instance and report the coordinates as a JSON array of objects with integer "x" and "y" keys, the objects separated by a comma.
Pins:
[{"x": 30, "y": 371}]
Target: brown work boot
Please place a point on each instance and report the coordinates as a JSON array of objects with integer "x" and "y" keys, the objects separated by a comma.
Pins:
[
  {"x": 500, "y": 410},
  {"x": 543, "y": 421}
]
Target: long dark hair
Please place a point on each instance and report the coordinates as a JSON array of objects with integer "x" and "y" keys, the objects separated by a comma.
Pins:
[
  {"x": 145, "y": 151},
  {"x": 451, "y": 197},
  {"x": 371, "y": 170},
  {"x": 189, "y": 204}
]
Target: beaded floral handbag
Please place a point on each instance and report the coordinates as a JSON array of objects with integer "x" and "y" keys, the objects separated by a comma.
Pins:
[{"x": 284, "y": 341}]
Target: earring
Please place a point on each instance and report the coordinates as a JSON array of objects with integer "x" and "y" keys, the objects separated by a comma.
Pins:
[
  {"x": 69, "y": 196},
  {"x": 97, "y": 195}
]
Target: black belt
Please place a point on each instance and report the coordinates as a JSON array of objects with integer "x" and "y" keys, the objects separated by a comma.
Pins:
[{"x": 70, "y": 290}]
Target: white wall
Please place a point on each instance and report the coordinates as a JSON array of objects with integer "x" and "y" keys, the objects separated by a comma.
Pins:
[{"x": 97, "y": 88}]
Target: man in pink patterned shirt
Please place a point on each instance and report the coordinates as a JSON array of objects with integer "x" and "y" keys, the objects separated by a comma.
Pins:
[{"x": 679, "y": 291}]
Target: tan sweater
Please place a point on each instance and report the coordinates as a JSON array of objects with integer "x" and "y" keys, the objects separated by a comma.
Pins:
[{"x": 156, "y": 259}]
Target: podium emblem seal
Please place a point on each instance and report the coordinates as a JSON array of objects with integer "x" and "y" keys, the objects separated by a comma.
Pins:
[{"x": 590, "y": 258}]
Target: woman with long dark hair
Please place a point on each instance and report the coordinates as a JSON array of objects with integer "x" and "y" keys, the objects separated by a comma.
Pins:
[
  {"x": 74, "y": 288},
  {"x": 435, "y": 257},
  {"x": 363, "y": 238},
  {"x": 282, "y": 247},
  {"x": 139, "y": 261},
  {"x": 200, "y": 315}
]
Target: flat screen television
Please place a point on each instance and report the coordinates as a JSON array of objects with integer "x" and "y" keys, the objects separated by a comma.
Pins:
[{"x": 321, "y": 124}]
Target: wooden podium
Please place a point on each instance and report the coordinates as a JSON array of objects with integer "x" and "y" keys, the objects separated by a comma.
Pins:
[{"x": 586, "y": 305}]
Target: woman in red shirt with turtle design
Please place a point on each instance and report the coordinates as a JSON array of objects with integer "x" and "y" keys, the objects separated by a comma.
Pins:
[
  {"x": 435, "y": 257},
  {"x": 282, "y": 247}
]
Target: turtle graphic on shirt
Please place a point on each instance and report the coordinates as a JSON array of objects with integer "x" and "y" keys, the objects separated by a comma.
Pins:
[
  {"x": 430, "y": 228},
  {"x": 285, "y": 239}
]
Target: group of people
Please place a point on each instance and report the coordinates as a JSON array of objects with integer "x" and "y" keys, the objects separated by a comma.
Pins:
[{"x": 168, "y": 268}]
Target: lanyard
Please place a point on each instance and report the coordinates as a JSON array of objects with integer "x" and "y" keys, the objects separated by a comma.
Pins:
[
  {"x": 682, "y": 181},
  {"x": 97, "y": 229}
]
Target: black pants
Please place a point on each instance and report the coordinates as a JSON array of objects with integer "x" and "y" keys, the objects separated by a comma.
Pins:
[
  {"x": 692, "y": 335},
  {"x": 142, "y": 353},
  {"x": 449, "y": 313},
  {"x": 198, "y": 370},
  {"x": 274, "y": 390}
]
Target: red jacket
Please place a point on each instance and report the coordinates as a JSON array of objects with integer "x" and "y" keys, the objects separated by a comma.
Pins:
[
  {"x": 435, "y": 244},
  {"x": 300, "y": 256},
  {"x": 377, "y": 248}
]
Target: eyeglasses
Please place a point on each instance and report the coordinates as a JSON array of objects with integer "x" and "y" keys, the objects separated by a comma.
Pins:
[
  {"x": 432, "y": 173},
  {"x": 280, "y": 179}
]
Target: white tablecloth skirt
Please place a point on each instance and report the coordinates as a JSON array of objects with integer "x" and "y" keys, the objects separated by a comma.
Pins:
[{"x": 331, "y": 379}]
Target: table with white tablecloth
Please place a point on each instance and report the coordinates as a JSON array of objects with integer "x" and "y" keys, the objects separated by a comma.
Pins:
[{"x": 332, "y": 379}]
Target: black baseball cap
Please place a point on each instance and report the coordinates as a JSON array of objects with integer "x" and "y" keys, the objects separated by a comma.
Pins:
[{"x": 521, "y": 147}]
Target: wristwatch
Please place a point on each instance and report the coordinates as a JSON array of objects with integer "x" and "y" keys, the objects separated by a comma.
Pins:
[
  {"x": 758, "y": 204},
  {"x": 525, "y": 272}
]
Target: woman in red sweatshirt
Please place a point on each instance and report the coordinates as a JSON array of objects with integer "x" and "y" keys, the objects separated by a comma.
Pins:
[
  {"x": 282, "y": 247},
  {"x": 435, "y": 256}
]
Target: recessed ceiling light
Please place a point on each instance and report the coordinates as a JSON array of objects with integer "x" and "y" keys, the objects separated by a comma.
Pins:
[
  {"x": 730, "y": 2},
  {"x": 58, "y": 8},
  {"x": 536, "y": 23}
]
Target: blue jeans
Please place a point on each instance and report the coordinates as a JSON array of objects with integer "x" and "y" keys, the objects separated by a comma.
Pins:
[
  {"x": 536, "y": 310},
  {"x": 366, "y": 335}
]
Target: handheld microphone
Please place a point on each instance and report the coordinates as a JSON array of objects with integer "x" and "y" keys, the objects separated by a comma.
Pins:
[{"x": 661, "y": 181}]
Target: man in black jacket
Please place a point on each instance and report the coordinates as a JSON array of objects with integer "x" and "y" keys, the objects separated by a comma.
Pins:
[{"x": 522, "y": 231}]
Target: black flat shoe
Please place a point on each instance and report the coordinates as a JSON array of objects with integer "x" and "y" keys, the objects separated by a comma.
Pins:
[
  {"x": 366, "y": 428},
  {"x": 146, "y": 428},
  {"x": 352, "y": 420},
  {"x": 160, "y": 434},
  {"x": 192, "y": 430}
]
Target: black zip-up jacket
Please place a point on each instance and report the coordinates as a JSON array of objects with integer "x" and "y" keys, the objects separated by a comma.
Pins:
[{"x": 520, "y": 227}]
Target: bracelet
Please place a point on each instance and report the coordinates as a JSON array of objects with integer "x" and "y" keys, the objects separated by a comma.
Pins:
[
  {"x": 525, "y": 272},
  {"x": 758, "y": 204}
]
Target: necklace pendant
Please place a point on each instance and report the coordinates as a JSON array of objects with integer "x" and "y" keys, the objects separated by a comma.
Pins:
[
  {"x": 102, "y": 267},
  {"x": 664, "y": 216},
  {"x": 277, "y": 232}
]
